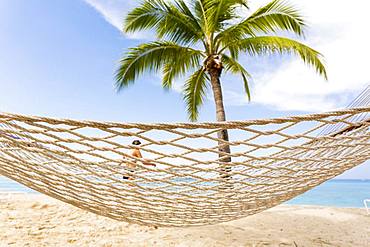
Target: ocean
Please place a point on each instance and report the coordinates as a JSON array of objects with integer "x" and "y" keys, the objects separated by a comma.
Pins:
[{"x": 336, "y": 192}]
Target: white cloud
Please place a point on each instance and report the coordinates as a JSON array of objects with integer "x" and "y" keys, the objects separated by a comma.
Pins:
[
  {"x": 341, "y": 34},
  {"x": 114, "y": 12},
  {"x": 338, "y": 30}
]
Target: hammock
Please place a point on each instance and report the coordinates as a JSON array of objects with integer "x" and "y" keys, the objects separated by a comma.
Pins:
[{"x": 83, "y": 163}]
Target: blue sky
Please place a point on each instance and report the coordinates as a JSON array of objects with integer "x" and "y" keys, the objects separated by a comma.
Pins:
[{"x": 57, "y": 58}]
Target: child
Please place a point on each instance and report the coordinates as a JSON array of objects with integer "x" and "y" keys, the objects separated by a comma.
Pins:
[{"x": 137, "y": 154}]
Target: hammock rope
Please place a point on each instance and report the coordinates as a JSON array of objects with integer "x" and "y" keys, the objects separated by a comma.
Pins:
[{"x": 273, "y": 160}]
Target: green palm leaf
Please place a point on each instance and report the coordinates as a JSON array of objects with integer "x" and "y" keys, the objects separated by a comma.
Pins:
[
  {"x": 219, "y": 12},
  {"x": 199, "y": 7},
  {"x": 169, "y": 21},
  {"x": 234, "y": 67},
  {"x": 195, "y": 92},
  {"x": 152, "y": 56},
  {"x": 265, "y": 45},
  {"x": 179, "y": 66},
  {"x": 276, "y": 16},
  {"x": 273, "y": 17}
]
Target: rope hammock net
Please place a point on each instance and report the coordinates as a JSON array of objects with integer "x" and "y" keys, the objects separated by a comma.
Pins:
[{"x": 83, "y": 163}]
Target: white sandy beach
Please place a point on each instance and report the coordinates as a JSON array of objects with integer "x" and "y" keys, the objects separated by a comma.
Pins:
[{"x": 37, "y": 220}]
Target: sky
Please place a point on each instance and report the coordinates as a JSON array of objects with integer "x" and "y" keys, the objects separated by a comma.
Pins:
[{"x": 58, "y": 58}]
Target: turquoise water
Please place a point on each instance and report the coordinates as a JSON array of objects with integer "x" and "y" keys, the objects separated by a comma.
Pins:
[{"x": 338, "y": 193}]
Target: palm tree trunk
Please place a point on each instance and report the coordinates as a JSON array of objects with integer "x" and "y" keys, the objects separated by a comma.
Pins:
[{"x": 220, "y": 116}]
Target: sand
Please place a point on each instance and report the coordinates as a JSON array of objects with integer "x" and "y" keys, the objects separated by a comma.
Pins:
[{"x": 37, "y": 220}]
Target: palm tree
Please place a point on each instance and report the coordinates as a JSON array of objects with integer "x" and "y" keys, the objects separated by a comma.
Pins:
[{"x": 206, "y": 37}]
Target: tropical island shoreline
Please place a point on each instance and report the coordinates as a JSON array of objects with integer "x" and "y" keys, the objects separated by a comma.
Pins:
[{"x": 38, "y": 220}]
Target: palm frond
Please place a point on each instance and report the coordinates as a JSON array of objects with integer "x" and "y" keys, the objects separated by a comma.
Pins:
[
  {"x": 271, "y": 18},
  {"x": 219, "y": 12},
  {"x": 195, "y": 92},
  {"x": 231, "y": 65},
  {"x": 179, "y": 66},
  {"x": 201, "y": 15},
  {"x": 265, "y": 45},
  {"x": 167, "y": 19},
  {"x": 276, "y": 16},
  {"x": 151, "y": 56},
  {"x": 186, "y": 10},
  {"x": 232, "y": 34}
]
